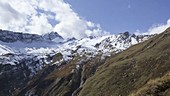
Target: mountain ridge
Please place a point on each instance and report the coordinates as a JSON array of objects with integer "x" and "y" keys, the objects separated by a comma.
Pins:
[
  {"x": 10, "y": 36},
  {"x": 138, "y": 71},
  {"x": 129, "y": 72},
  {"x": 33, "y": 59}
]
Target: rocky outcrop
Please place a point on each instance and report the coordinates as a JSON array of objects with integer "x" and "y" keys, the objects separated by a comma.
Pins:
[{"x": 9, "y": 37}]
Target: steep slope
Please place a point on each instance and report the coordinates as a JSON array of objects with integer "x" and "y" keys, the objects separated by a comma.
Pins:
[
  {"x": 64, "y": 80},
  {"x": 83, "y": 76},
  {"x": 52, "y": 65},
  {"x": 126, "y": 72},
  {"x": 5, "y": 50},
  {"x": 141, "y": 70}
]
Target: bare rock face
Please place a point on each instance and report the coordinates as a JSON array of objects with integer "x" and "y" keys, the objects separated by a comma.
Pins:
[
  {"x": 51, "y": 36},
  {"x": 9, "y": 36}
]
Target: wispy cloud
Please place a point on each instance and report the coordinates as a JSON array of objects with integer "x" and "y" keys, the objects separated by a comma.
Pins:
[
  {"x": 155, "y": 29},
  {"x": 42, "y": 16}
]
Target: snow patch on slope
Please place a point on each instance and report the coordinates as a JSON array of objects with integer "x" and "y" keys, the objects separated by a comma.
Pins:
[{"x": 5, "y": 50}]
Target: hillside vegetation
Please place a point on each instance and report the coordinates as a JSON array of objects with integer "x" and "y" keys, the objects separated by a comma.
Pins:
[{"x": 141, "y": 70}]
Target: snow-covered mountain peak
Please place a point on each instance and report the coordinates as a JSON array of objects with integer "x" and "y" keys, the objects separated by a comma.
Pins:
[
  {"x": 124, "y": 35},
  {"x": 53, "y": 36},
  {"x": 37, "y": 51}
]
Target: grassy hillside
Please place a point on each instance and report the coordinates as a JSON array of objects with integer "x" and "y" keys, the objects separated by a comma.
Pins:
[{"x": 141, "y": 70}]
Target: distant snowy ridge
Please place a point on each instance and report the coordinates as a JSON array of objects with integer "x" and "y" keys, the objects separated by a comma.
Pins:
[
  {"x": 54, "y": 43},
  {"x": 36, "y": 51}
]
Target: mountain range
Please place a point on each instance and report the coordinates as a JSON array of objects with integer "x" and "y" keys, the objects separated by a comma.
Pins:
[{"x": 112, "y": 65}]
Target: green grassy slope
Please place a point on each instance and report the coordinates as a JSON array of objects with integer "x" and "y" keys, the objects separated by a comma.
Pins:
[{"x": 141, "y": 70}]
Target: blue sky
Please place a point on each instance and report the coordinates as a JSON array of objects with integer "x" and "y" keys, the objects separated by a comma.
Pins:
[
  {"x": 123, "y": 15},
  {"x": 83, "y": 18}
]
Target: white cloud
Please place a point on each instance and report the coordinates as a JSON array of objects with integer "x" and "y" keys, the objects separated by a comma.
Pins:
[
  {"x": 33, "y": 16},
  {"x": 155, "y": 29},
  {"x": 159, "y": 28},
  {"x": 39, "y": 24}
]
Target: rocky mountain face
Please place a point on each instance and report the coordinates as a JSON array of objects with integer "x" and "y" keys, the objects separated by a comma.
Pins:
[
  {"x": 48, "y": 65},
  {"x": 9, "y": 36}
]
